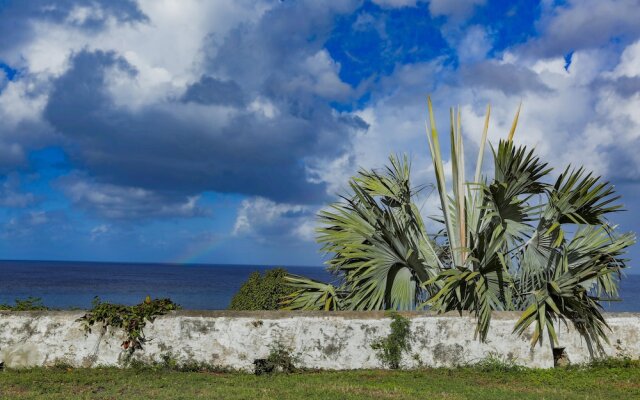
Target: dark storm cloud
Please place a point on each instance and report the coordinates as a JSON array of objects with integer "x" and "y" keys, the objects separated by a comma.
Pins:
[
  {"x": 176, "y": 150},
  {"x": 209, "y": 90}
]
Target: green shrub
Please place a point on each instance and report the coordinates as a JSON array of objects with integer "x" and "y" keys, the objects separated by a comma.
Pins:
[
  {"x": 28, "y": 304},
  {"x": 262, "y": 292},
  {"x": 390, "y": 349}
]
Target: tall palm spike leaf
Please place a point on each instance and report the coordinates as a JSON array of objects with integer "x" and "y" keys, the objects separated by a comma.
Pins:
[{"x": 475, "y": 283}]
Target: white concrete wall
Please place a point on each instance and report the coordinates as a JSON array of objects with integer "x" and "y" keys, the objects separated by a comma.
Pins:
[{"x": 319, "y": 340}]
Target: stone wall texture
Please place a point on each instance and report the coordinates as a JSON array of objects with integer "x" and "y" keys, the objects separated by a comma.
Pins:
[{"x": 336, "y": 340}]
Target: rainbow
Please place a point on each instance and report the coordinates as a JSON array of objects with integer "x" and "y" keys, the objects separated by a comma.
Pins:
[{"x": 193, "y": 253}]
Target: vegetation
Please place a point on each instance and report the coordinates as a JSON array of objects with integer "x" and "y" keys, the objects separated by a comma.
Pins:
[
  {"x": 28, "y": 304},
  {"x": 262, "y": 292},
  {"x": 280, "y": 360},
  {"x": 609, "y": 382},
  {"x": 519, "y": 239},
  {"x": 391, "y": 348},
  {"x": 131, "y": 319}
]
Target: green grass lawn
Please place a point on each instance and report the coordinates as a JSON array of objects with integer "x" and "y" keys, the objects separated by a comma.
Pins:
[{"x": 603, "y": 382}]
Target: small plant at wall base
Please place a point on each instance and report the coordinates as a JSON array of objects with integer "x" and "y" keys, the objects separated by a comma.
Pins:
[
  {"x": 391, "y": 348},
  {"x": 262, "y": 291},
  {"x": 280, "y": 360},
  {"x": 519, "y": 239},
  {"x": 131, "y": 319}
]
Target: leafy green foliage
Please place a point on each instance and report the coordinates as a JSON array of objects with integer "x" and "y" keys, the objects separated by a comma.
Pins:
[
  {"x": 131, "y": 319},
  {"x": 28, "y": 304},
  {"x": 262, "y": 292},
  {"x": 391, "y": 348},
  {"x": 518, "y": 240}
]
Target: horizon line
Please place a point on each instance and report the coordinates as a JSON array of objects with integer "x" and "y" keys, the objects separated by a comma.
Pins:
[{"x": 2, "y": 260}]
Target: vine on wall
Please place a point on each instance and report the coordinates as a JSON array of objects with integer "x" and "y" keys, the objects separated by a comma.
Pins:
[{"x": 131, "y": 319}]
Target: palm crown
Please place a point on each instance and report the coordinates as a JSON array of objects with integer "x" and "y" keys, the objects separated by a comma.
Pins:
[{"x": 517, "y": 241}]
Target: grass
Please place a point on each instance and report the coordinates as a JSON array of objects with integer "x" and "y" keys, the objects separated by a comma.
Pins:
[{"x": 610, "y": 381}]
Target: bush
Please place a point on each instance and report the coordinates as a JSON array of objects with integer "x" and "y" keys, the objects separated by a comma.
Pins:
[
  {"x": 28, "y": 304},
  {"x": 262, "y": 292}
]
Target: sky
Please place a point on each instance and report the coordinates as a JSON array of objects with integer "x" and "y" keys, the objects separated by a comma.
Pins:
[{"x": 192, "y": 131}]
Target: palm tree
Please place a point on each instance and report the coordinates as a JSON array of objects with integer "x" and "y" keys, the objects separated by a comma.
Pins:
[
  {"x": 518, "y": 241},
  {"x": 382, "y": 253}
]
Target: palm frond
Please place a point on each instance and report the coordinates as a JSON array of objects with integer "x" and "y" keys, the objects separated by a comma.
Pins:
[{"x": 311, "y": 295}]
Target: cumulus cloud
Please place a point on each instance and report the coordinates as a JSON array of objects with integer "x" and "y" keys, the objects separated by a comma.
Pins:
[
  {"x": 19, "y": 19},
  {"x": 583, "y": 24},
  {"x": 262, "y": 218}
]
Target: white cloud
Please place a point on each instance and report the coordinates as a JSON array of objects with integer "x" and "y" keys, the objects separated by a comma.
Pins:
[
  {"x": 166, "y": 50},
  {"x": 322, "y": 77},
  {"x": 264, "y": 107},
  {"x": 629, "y": 62},
  {"x": 583, "y": 24},
  {"x": 99, "y": 231},
  {"x": 262, "y": 218},
  {"x": 475, "y": 45}
]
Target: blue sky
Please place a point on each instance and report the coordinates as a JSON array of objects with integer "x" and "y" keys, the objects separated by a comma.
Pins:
[{"x": 196, "y": 131}]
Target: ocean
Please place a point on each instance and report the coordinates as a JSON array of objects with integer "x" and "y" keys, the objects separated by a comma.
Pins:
[{"x": 66, "y": 285}]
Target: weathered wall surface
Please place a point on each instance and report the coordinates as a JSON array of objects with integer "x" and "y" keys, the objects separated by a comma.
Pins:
[{"x": 319, "y": 340}]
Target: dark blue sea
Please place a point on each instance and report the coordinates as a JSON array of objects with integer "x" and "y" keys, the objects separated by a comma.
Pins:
[{"x": 197, "y": 287}]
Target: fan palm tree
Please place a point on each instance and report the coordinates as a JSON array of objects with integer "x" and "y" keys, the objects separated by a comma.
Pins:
[{"x": 519, "y": 240}]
